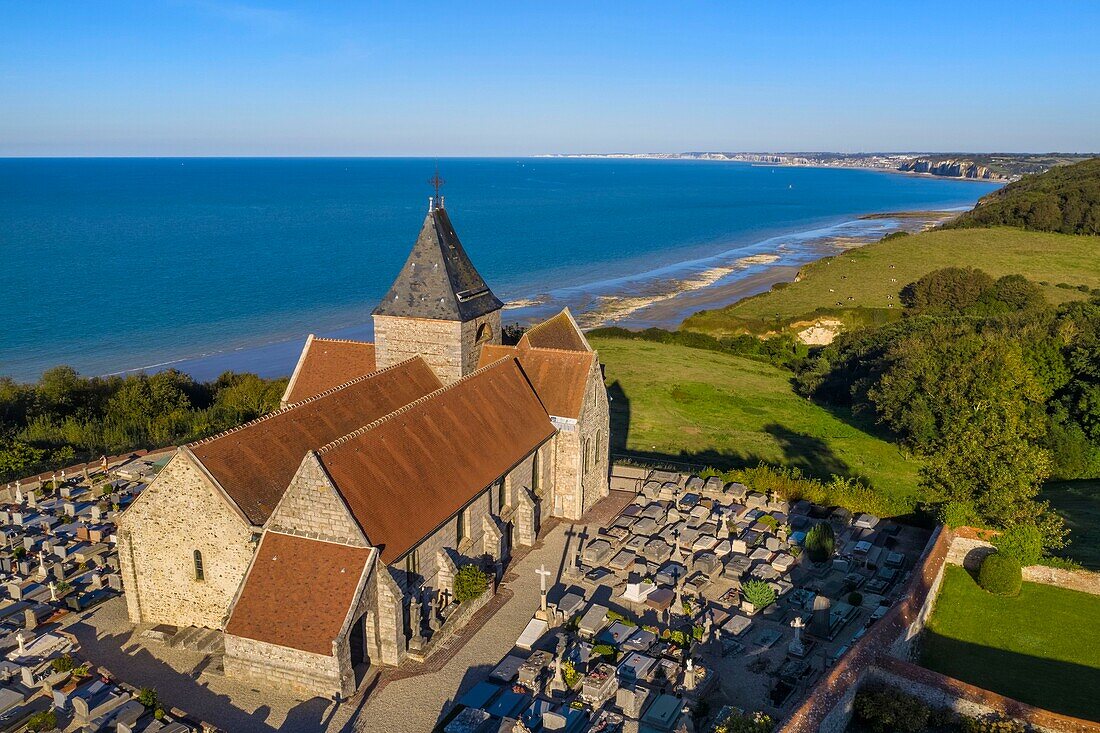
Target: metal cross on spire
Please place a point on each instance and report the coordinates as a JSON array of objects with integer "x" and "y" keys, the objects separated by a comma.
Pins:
[{"x": 436, "y": 182}]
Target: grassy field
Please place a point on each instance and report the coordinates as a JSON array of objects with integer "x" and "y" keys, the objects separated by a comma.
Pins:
[
  {"x": 1079, "y": 504},
  {"x": 1042, "y": 648},
  {"x": 715, "y": 409},
  {"x": 861, "y": 280}
]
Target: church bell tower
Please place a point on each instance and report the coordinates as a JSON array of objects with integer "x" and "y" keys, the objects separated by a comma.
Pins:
[{"x": 438, "y": 306}]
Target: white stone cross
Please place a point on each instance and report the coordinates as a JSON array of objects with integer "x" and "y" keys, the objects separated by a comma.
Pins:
[
  {"x": 543, "y": 575},
  {"x": 22, "y": 639}
]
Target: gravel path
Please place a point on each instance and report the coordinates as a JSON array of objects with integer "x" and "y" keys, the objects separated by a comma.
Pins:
[{"x": 415, "y": 704}]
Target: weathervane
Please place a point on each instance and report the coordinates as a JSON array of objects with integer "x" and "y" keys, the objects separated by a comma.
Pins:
[{"x": 437, "y": 182}]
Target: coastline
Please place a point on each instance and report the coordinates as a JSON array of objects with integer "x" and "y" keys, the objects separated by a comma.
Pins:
[
  {"x": 777, "y": 164},
  {"x": 661, "y": 298}
]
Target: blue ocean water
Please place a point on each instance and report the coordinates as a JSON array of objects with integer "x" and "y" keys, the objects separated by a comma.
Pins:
[{"x": 114, "y": 264}]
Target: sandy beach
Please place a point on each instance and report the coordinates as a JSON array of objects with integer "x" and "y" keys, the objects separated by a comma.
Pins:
[{"x": 662, "y": 299}]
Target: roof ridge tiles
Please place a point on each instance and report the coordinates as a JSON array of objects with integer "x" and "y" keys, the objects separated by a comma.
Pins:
[
  {"x": 555, "y": 350},
  {"x": 402, "y": 410},
  {"x": 300, "y": 403},
  {"x": 343, "y": 341}
]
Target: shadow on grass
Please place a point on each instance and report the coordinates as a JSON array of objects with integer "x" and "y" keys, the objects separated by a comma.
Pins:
[
  {"x": 1062, "y": 687},
  {"x": 1078, "y": 502}
]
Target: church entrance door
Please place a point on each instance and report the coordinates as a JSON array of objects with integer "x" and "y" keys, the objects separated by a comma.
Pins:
[{"x": 357, "y": 642}]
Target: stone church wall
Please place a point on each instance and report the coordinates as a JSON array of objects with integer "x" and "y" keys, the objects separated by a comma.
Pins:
[
  {"x": 158, "y": 536},
  {"x": 312, "y": 508},
  {"x": 577, "y": 487},
  {"x": 471, "y": 347},
  {"x": 276, "y": 666}
]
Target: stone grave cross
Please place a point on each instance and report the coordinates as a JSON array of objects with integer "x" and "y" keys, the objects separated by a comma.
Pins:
[{"x": 543, "y": 575}]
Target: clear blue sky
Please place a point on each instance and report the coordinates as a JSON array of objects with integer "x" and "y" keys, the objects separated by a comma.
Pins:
[{"x": 222, "y": 77}]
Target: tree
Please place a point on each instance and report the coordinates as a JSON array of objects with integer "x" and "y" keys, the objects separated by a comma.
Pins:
[
  {"x": 950, "y": 289},
  {"x": 469, "y": 583},
  {"x": 820, "y": 542}
]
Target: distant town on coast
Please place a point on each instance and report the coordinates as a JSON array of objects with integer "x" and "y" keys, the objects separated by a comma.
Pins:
[{"x": 985, "y": 167}]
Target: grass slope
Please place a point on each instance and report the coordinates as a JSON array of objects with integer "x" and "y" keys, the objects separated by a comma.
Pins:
[
  {"x": 1042, "y": 648},
  {"x": 705, "y": 407},
  {"x": 869, "y": 274}
]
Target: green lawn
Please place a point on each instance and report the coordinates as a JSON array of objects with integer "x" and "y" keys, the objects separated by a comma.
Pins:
[
  {"x": 715, "y": 409},
  {"x": 1079, "y": 504},
  {"x": 869, "y": 274},
  {"x": 1042, "y": 648}
]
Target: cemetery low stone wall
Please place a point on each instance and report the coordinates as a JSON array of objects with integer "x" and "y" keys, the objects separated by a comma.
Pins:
[
  {"x": 940, "y": 691},
  {"x": 828, "y": 708},
  {"x": 453, "y": 625},
  {"x": 971, "y": 545},
  {"x": 882, "y": 654}
]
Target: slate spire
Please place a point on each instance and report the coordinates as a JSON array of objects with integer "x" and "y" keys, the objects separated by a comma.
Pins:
[{"x": 438, "y": 280}]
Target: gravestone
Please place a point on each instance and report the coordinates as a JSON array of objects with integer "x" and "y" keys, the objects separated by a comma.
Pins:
[{"x": 819, "y": 623}]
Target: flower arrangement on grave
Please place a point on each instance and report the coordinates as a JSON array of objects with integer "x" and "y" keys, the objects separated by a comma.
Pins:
[
  {"x": 697, "y": 632},
  {"x": 569, "y": 674}
]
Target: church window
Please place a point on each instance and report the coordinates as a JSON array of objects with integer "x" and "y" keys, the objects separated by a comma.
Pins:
[
  {"x": 460, "y": 533},
  {"x": 200, "y": 573},
  {"x": 412, "y": 563},
  {"x": 484, "y": 333},
  {"x": 599, "y": 446},
  {"x": 587, "y": 455}
]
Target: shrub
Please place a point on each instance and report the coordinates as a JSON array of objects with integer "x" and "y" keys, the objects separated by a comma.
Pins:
[
  {"x": 45, "y": 720},
  {"x": 63, "y": 664},
  {"x": 855, "y": 598},
  {"x": 737, "y": 723},
  {"x": 991, "y": 725},
  {"x": 1000, "y": 574},
  {"x": 604, "y": 650},
  {"x": 470, "y": 582},
  {"x": 758, "y": 593},
  {"x": 1024, "y": 542},
  {"x": 888, "y": 709},
  {"x": 149, "y": 698},
  {"x": 820, "y": 542}
]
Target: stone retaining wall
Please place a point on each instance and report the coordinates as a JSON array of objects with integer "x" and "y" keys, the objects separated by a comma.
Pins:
[
  {"x": 941, "y": 691},
  {"x": 971, "y": 545}
]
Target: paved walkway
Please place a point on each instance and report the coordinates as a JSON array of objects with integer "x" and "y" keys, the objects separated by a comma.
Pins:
[{"x": 415, "y": 704}]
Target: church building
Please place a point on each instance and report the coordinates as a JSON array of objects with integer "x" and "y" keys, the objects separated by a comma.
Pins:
[{"x": 325, "y": 537}]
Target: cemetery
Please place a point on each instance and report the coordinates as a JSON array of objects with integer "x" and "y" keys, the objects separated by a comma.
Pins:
[
  {"x": 700, "y": 600},
  {"x": 58, "y": 561}
]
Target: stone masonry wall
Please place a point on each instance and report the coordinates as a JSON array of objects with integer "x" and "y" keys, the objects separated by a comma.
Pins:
[
  {"x": 158, "y": 535},
  {"x": 577, "y": 487},
  {"x": 439, "y": 342},
  {"x": 277, "y": 666},
  {"x": 970, "y": 547},
  {"x": 312, "y": 508},
  {"x": 471, "y": 349},
  {"x": 450, "y": 347}
]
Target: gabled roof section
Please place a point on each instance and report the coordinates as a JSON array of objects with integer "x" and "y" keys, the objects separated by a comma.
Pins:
[
  {"x": 409, "y": 472},
  {"x": 298, "y": 592},
  {"x": 255, "y": 462},
  {"x": 558, "y": 376},
  {"x": 327, "y": 363},
  {"x": 438, "y": 280},
  {"x": 559, "y": 332}
]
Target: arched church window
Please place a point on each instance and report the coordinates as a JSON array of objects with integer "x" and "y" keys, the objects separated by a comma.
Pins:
[
  {"x": 484, "y": 333},
  {"x": 599, "y": 446},
  {"x": 200, "y": 572}
]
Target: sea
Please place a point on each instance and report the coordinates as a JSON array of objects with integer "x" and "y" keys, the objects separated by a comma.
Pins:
[{"x": 207, "y": 264}]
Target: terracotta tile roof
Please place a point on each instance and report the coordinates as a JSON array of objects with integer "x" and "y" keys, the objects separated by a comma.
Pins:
[
  {"x": 559, "y": 332},
  {"x": 298, "y": 592},
  {"x": 326, "y": 363},
  {"x": 407, "y": 473},
  {"x": 255, "y": 462},
  {"x": 559, "y": 377}
]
